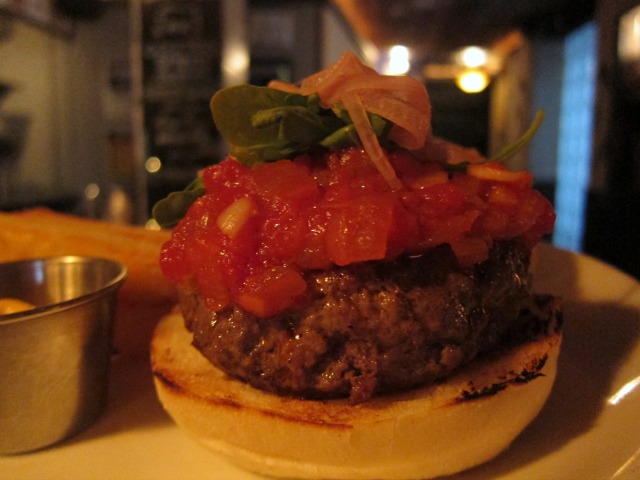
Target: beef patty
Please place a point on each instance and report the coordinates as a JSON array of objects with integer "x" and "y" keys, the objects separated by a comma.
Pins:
[{"x": 371, "y": 328}]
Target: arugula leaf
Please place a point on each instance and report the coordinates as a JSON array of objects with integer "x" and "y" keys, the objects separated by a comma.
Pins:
[
  {"x": 268, "y": 152},
  {"x": 507, "y": 152},
  {"x": 262, "y": 124},
  {"x": 513, "y": 148},
  {"x": 347, "y": 135},
  {"x": 168, "y": 211},
  {"x": 298, "y": 124},
  {"x": 232, "y": 109}
]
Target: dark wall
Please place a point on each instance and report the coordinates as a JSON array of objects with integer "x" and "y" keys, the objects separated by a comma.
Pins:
[
  {"x": 460, "y": 117},
  {"x": 613, "y": 211}
]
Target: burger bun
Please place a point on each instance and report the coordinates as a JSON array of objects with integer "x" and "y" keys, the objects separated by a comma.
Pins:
[{"x": 436, "y": 430}]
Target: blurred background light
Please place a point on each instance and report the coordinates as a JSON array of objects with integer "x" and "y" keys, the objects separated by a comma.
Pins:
[
  {"x": 473, "y": 57},
  {"x": 91, "y": 191},
  {"x": 398, "y": 61},
  {"x": 472, "y": 81},
  {"x": 236, "y": 63},
  {"x": 153, "y": 164},
  {"x": 629, "y": 35}
]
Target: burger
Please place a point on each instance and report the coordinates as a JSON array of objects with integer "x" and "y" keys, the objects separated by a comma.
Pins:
[{"x": 355, "y": 295}]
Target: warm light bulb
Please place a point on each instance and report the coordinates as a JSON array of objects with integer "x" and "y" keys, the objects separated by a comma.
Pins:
[
  {"x": 629, "y": 35},
  {"x": 398, "y": 63},
  {"x": 92, "y": 191},
  {"x": 473, "y": 57},
  {"x": 153, "y": 164},
  {"x": 472, "y": 81}
]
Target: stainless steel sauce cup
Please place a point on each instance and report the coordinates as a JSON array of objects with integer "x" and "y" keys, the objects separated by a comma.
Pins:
[{"x": 54, "y": 359}]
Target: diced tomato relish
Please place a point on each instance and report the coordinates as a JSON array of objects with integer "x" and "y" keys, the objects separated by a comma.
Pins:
[{"x": 251, "y": 237}]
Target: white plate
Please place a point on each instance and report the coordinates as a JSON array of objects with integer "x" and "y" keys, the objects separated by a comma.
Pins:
[{"x": 589, "y": 429}]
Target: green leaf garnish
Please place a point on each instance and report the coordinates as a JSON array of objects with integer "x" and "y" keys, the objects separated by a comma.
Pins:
[
  {"x": 507, "y": 152},
  {"x": 513, "y": 148},
  {"x": 263, "y": 124},
  {"x": 168, "y": 211},
  {"x": 347, "y": 135}
]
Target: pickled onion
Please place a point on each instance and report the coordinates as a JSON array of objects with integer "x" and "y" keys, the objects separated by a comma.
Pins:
[
  {"x": 401, "y": 100},
  {"x": 358, "y": 115}
]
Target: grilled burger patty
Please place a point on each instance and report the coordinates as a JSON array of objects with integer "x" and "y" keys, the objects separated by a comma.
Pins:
[{"x": 371, "y": 328}]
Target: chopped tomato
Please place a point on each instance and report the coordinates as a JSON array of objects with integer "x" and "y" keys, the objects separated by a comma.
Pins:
[
  {"x": 499, "y": 173},
  {"x": 404, "y": 235},
  {"x": 443, "y": 199},
  {"x": 285, "y": 180},
  {"x": 503, "y": 198},
  {"x": 230, "y": 174},
  {"x": 212, "y": 287},
  {"x": 271, "y": 291},
  {"x": 358, "y": 231},
  {"x": 284, "y": 232},
  {"x": 313, "y": 252},
  {"x": 470, "y": 250},
  {"x": 172, "y": 260},
  {"x": 247, "y": 241}
]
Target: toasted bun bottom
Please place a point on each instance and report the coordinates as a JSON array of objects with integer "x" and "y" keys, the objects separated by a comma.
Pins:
[{"x": 432, "y": 431}]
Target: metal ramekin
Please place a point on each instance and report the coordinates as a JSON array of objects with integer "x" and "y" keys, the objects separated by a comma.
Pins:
[{"x": 54, "y": 359}]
